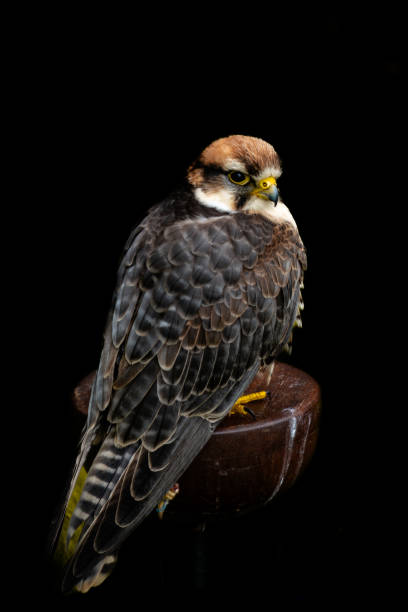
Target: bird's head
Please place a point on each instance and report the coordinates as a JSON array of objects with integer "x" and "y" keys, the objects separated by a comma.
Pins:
[{"x": 238, "y": 174}]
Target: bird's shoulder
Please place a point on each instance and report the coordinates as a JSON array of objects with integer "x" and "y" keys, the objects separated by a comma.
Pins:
[
  {"x": 182, "y": 220},
  {"x": 194, "y": 282}
]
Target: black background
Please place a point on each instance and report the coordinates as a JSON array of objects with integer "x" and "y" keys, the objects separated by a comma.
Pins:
[{"x": 113, "y": 109}]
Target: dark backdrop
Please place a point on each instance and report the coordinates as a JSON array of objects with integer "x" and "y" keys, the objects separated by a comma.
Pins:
[{"x": 114, "y": 122}]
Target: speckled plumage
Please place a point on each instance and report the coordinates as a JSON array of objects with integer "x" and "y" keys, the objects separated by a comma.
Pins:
[{"x": 204, "y": 299}]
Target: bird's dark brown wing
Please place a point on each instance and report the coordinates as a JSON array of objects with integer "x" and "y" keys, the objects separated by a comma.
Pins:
[{"x": 199, "y": 307}]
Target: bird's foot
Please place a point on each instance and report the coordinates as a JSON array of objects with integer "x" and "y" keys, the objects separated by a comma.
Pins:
[
  {"x": 240, "y": 406},
  {"x": 171, "y": 494}
]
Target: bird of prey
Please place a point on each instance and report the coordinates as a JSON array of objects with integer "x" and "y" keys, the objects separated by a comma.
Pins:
[{"x": 207, "y": 294}]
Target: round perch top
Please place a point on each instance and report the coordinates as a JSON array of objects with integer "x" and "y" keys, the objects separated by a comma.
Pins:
[{"x": 248, "y": 460}]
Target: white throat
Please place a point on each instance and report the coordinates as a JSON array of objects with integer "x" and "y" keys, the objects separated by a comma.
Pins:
[
  {"x": 223, "y": 201},
  {"x": 278, "y": 214}
]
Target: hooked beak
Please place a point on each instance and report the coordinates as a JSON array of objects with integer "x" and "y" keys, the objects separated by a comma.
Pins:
[{"x": 267, "y": 190}]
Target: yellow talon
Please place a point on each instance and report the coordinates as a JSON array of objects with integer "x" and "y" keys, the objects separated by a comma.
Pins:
[
  {"x": 239, "y": 406},
  {"x": 171, "y": 494},
  {"x": 238, "y": 409}
]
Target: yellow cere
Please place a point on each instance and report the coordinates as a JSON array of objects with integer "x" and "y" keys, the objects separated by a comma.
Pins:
[{"x": 267, "y": 182}]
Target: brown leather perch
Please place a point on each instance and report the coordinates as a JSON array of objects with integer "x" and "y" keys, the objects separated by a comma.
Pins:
[{"x": 247, "y": 461}]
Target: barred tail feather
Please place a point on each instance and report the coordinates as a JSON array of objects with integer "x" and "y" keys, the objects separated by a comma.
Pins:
[
  {"x": 104, "y": 473},
  {"x": 98, "y": 574},
  {"x": 64, "y": 549}
]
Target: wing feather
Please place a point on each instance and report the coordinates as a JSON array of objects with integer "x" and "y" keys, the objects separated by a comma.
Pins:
[
  {"x": 123, "y": 403},
  {"x": 163, "y": 427},
  {"x": 130, "y": 429},
  {"x": 199, "y": 307}
]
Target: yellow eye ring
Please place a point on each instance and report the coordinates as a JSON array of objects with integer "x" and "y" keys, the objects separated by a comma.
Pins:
[{"x": 238, "y": 178}]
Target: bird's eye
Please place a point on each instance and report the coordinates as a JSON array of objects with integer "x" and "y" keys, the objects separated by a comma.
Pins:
[{"x": 239, "y": 178}]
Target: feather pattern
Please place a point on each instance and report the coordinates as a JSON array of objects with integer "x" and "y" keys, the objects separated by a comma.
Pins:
[{"x": 200, "y": 305}]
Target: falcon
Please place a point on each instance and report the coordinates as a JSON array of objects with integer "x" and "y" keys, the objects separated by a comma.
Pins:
[{"x": 208, "y": 291}]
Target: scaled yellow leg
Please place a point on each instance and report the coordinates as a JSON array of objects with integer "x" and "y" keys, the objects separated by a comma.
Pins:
[{"x": 239, "y": 406}]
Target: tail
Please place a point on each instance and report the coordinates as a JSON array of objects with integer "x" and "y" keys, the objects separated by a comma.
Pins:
[
  {"x": 98, "y": 574},
  {"x": 91, "y": 486},
  {"x": 66, "y": 545},
  {"x": 65, "y": 548},
  {"x": 69, "y": 500}
]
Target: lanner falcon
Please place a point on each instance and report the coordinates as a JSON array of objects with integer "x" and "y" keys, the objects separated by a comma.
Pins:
[{"x": 207, "y": 294}]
